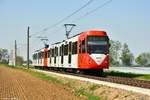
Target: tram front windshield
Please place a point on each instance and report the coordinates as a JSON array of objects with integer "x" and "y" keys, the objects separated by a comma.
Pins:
[{"x": 98, "y": 44}]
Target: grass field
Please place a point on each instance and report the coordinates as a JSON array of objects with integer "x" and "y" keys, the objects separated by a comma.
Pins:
[{"x": 129, "y": 75}]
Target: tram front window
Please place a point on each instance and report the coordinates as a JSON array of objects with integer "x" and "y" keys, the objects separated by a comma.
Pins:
[{"x": 98, "y": 44}]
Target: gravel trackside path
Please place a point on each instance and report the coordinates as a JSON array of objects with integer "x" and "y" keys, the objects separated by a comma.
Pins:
[{"x": 19, "y": 85}]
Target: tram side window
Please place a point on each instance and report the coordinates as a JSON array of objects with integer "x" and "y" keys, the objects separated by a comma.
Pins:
[
  {"x": 52, "y": 52},
  {"x": 74, "y": 48},
  {"x": 39, "y": 55},
  {"x": 56, "y": 51},
  {"x": 48, "y": 53},
  {"x": 60, "y": 51},
  {"x": 66, "y": 49},
  {"x": 55, "y": 54},
  {"x": 70, "y": 43},
  {"x": 42, "y": 54},
  {"x": 35, "y": 56},
  {"x": 83, "y": 49}
]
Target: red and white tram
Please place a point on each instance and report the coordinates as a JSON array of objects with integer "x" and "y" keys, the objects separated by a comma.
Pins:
[{"x": 85, "y": 51}]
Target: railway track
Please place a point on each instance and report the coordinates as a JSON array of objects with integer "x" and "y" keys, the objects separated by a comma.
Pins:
[
  {"x": 114, "y": 79},
  {"x": 125, "y": 81}
]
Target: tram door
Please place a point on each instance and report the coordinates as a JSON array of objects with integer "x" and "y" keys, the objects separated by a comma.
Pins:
[
  {"x": 62, "y": 54},
  {"x": 38, "y": 55},
  {"x": 82, "y": 53},
  {"x": 69, "y": 54},
  {"x": 50, "y": 61},
  {"x": 45, "y": 56},
  {"x": 55, "y": 54}
]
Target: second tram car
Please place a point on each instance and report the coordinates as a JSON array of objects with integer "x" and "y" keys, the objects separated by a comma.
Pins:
[{"x": 86, "y": 51}]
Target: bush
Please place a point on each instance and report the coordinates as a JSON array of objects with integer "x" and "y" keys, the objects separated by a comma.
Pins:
[{"x": 4, "y": 61}]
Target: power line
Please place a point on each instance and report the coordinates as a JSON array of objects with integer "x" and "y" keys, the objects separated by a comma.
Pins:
[
  {"x": 65, "y": 18},
  {"x": 39, "y": 36},
  {"x": 86, "y": 14},
  {"x": 94, "y": 10},
  {"x": 91, "y": 11}
]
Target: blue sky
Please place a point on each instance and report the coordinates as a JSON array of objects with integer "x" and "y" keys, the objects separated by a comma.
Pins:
[{"x": 127, "y": 21}]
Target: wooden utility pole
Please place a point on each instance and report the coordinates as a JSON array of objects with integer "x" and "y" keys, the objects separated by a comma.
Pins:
[
  {"x": 28, "y": 47},
  {"x": 15, "y": 53}
]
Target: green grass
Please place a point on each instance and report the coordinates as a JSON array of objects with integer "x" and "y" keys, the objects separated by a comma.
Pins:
[
  {"x": 43, "y": 76},
  {"x": 82, "y": 92},
  {"x": 122, "y": 74},
  {"x": 93, "y": 87},
  {"x": 145, "y": 77},
  {"x": 129, "y": 75}
]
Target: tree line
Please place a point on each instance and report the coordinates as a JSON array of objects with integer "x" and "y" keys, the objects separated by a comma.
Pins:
[
  {"x": 120, "y": 55},
  {"x": 5, "y": 57}
]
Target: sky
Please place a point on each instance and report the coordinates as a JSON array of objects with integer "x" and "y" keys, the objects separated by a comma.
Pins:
[{"x": 127, "y": 21}]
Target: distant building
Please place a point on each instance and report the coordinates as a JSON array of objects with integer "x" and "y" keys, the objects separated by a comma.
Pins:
[{"x": 11, "y": 58}]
